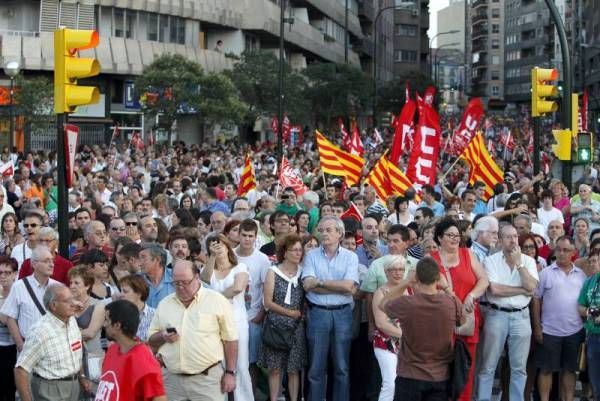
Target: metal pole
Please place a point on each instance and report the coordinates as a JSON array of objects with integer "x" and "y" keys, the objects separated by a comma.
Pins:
[
  {"x": 567, "y": 82},
  {"x": 346, "y": 34},
  {"x": 281, "y": 66},
  {"x": 11, "y": 134},
  {"x": 537, "y": 132},
  {"x": 63, "y": 205}
]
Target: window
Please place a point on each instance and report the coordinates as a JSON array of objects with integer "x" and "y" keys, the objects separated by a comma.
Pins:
[
  {"x": 177, "y": 30},
  {"x": 495, "y": 75},
  {"x": 152, "y": 27},
  {"x": 406, "y": 56},
  {"x": 406, "y": 30},
  {"x": 495, "y": 44},
  {"x": 495, "y": 28},
  {"x": 119, "y": 16},
  {"x": 163, "y": 28},
  {"x": 496, "y": 60},
  {"x": 129, "y": 23},
  {"x": 495, "y": 91},
  {"x": 495, "y": 13}
]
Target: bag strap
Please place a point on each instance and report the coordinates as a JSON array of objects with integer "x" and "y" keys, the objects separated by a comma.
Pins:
[
  {"x": 33, "y": 297},
  {"x": 448, "y": 276}
]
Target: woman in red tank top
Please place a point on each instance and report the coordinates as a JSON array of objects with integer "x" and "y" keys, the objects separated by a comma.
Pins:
[{"x": 467, "y": 278}]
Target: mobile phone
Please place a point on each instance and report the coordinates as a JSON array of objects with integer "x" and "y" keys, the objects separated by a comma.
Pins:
[{"x": 171, "y": 330}]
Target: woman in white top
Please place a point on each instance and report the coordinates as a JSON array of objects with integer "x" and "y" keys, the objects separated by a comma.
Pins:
[
  {"x": 401, "y": 215},
  {"x": 224, "y": 274}
]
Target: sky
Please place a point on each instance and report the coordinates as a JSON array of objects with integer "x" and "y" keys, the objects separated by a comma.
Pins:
[{"x": 434, "y": 7}]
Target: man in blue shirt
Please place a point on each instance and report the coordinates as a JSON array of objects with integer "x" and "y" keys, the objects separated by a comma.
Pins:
[
  {"x": 371, "y": 248},
  {"x": 330, "y": 278},
  {"x": 428, "y": 194},
  {"x": 160, "y": 281}
]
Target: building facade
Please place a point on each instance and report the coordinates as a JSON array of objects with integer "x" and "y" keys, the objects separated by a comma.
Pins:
[
  {"x": 411, "y": 41},
  {"x": 485, "y": 49},
  {"x": 211, "y": 32}
]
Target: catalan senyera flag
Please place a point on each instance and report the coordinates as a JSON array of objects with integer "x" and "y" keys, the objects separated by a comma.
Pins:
[
  {"x": 387, "y": 179},
  {"x": 481, "y": 165},
  {"x": 247, "y": 179},
  {"x": 336, "y": 162},
  {"x": 399, "y": 182}
]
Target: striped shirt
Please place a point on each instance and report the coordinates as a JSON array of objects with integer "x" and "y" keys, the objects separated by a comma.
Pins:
[
  {"x": 54, "y": 349},
  {"x": 21, "y": 307},
  {"x": 146, "y": 316}
]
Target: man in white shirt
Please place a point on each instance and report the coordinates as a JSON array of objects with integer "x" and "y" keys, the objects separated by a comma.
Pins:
[
  {"x": 21, "y": 307},
  {"x": 32, "y": 223},
  {"x": 513, "y": 277},
  {"x": 257, "y": 193},
  {"x": 258, "y": 264}
]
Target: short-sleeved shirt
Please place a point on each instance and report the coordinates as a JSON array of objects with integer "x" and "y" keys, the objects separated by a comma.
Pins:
[
  {"x": 20, "y": 306},
  {"x": 424, "y": 355},
  {"x": 202, "y": 328},
  {"x": 559, "y": 292},
  {"x": 132, "y": 376},
  {"x": 586, "y": 214},
  {"x": 258, "y": 265},
  {"x": 54, "y": 349},
  {"x": 164, "y": 288},
  {"x": 499, "y": 272},
  {"x": 342, "y": 266},
  {"x": 365, "y": 258},
  {"x": 590, "y": 296},
  {"x": 376, "y": 274}
]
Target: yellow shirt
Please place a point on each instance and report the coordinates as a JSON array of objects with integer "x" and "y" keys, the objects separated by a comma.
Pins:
[{"x": 202, "y": 328}]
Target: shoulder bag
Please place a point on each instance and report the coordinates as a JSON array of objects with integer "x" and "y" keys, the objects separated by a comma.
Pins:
[
  {"x": 277, "y": 338},
  {"x": 35, "y": 300},
  {"x": 467, "y": 329}
]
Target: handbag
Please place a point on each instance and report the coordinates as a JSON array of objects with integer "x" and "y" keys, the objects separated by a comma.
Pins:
[
  {"x": 277, "y": 338},
  {"x": 459, "y": 370},
  {"x": 466, "y": 329}
]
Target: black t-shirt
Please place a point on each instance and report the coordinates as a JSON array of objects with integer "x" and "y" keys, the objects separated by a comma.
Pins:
[{"x": 269, "y": 249}]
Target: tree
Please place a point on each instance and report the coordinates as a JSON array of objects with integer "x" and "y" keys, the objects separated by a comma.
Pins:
[
  {"x": 34, "y": 98},
  {"x": 391, "y": 94},
  {"x": 336, "y": 90},
  {"x": 256, "y": 77},
  {"x": 219, "y": 100}
]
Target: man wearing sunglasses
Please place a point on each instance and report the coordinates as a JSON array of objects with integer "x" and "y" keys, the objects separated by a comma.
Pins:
[{"x": 32, "y": 223}]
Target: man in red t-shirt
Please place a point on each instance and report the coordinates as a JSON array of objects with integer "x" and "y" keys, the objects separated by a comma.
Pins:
[
  {"x": 47, "y": 236},
  {"x": 129, "y": 371}
]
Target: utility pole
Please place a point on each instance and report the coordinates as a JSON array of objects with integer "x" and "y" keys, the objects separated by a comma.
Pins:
[{"x": 346, "y": 33}]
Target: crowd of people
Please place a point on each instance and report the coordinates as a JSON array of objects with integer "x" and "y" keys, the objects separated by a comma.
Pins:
[{"x": 177, "y": 288}]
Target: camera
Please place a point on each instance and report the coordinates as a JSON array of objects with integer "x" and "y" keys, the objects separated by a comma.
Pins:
[
  {"x": 283, "y": 197},
  {"x": 594, "y": 312}
]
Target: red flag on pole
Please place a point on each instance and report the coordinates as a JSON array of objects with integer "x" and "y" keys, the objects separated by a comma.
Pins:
[
  {"x": 247, "y": 180},
  {"x": 467, "y": 128},
  {"x": 288, "y": 178},
  {"x": 403, "y": 126},
  {"x": 352, "y": 212},
  {"x": 429, "y": 94},
  {"x": 356, "y": 145},
  {"x": 346, "y": 139}
]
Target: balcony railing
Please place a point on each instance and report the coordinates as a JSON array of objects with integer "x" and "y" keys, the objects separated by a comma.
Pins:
[
  {"x": 8, "y": 32},
  {"x": 479, "y": 18},
  {"x": 479, "y": 3},
  {"x": 477, "y": 32}
]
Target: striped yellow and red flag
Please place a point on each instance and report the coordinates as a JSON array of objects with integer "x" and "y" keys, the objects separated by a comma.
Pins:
[
  {"x": 481, "y": 165},
  {"x": 247, "y": 179},
  {"x": 336, "y": 162},
  {"x": 399, "y": 182},
  {"x": 378, "y": 178}
]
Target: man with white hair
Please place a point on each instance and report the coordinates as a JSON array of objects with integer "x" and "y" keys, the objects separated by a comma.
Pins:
[
  {"x": 484, "y": 237},
  {"x": 48, "y": 237},
  {"x": 310, "y": 201}
]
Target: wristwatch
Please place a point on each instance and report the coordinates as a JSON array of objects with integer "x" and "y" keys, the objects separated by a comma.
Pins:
[
  {"x": 320, "y": 284},
  {"x": 231, "y": 372},
  {"x": 519, "y": 267}
]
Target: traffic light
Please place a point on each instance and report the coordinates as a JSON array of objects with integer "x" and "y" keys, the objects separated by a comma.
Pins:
[
  {"x": 68, "y": 67},
  {"x": 562, "y": 148},
  {"x": 584, "y": 148},
  {"x": 540, "y": 90}
]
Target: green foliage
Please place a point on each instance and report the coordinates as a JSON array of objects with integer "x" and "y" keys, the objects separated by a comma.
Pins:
[
  {"x": 336, "y": 90},
  {"x": 34, "y": 98},
  {"x": 391, "y": 95},
  {"x": 219, "y": 101},
  {"x": 256, "y": 77}
]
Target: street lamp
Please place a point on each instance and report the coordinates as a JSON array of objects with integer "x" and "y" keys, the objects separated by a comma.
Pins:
[
  {"x": 435, "y": 77},
  {"x": 400, "y": 6},
  {"x": 451, "y": 32},
  {"x": 11, "y": 69}
]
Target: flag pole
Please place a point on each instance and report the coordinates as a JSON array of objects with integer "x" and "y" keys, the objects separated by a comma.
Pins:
[
  {"x": 278, "y": 180},
  {"x": 450, "y": 168},
  {"x": 324, "y": 183}
]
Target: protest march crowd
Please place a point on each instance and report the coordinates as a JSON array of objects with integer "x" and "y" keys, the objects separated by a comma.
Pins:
[{"x": 425, "y": 262}]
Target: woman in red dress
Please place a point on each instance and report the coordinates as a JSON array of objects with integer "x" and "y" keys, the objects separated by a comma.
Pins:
[{"x": 467, "y": 278}]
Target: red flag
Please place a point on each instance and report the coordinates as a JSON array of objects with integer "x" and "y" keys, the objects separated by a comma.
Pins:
[
  {"x": 288, "y": 178},
  {"x": 406, "y": 92},
  {"x": 287, "y": 127},
  {"x": 583, "y": 112},
  {"x": 136, "y": 141},
  {"x": 403, "y": 126},
  {"x": 468, "y": 126},
  {"x": 352, "y": 212},
  {"x": 429, "y": 95},
  {"x": 116, "y": 132},
  {"x": 356, "y": 145},
  {"x": 7, "y": 169},
  {"x": 346, "y": 140},
  {"x": 530, "y": 143},
  {"x": 422, "y": 165},
  {"x": 275, "y": 125},
  {"x": 507, "y": 140}
]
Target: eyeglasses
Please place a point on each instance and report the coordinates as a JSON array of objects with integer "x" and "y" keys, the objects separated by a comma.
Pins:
[
  {"x": 32, "y": 225},
  {"x": 452, "y": 236},
  {"x": 528, "y": 247},
  {"x": 131, "y": 223},
  {"x": 45, "y": 240},
  {"x": 118, "y": 228},
  {"x": 183, "y": 283}
]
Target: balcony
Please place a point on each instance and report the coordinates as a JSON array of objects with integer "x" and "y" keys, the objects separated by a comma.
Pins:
[
  {"x": 365, "y": 46},
  {"x": 480, "y": 31},
  {"x": 480, "y": 46},
  {"x": 366, "y": 9},
  {"x": 479, "y": 17},
  {"x": 479, "y": 3},
  {"x": 481, "y": 63}
]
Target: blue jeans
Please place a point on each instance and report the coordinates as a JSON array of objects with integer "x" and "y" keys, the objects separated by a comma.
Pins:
[
  {"x": 499, "y": 328},
  {"x": 593, "y": 362},
  {"x": 329, "y": 331}
]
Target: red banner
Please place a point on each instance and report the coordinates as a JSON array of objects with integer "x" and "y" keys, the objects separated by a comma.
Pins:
[
  {"x": 288, "y": 178},
  {"x": 403, "y": 131},
  {"x": 467, "y": 128},
  {"x": 356, "y": 145},
  {"x": 346, "y": 140},
  {"x": 274, "y": 126},
  {"x": 429, "y": 95},
  {"x": 583, "y": 112},
  {"x": 287, "y": 127},
  {"x": 422, "y": 165}
]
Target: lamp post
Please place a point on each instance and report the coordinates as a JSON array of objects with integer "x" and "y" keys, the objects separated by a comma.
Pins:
[
  {"x": 11, "y": 69},
  {"x": 435, "y": 76},
  {"x": 451, "y": 32},
  {"x": 399, "y": 6},
  {"x": 282, "y": 21}
]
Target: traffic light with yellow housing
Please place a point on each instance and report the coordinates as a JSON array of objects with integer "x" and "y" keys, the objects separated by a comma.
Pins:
[
  {"x": 541, "y": 90},
  {"x": 562, "y": 148},
  {"x": 68, "y": 68},
  {"x": 584, "y": 148}
]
